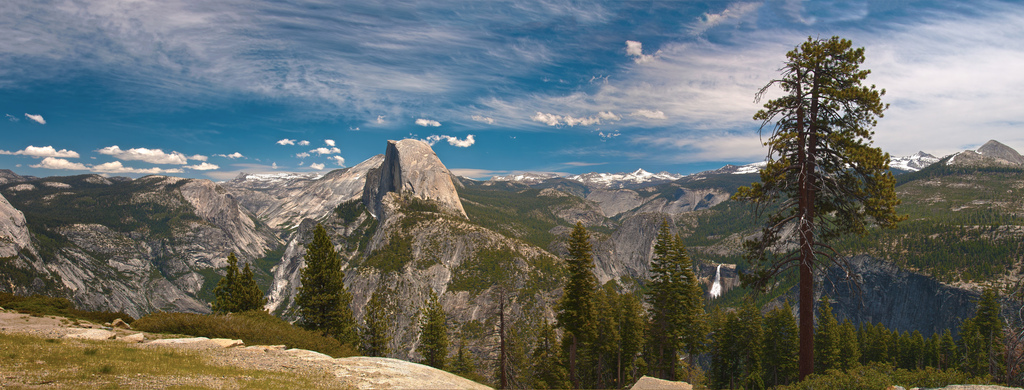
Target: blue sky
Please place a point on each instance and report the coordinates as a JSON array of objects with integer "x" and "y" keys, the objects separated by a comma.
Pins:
[{"x": 210, "y": 89}]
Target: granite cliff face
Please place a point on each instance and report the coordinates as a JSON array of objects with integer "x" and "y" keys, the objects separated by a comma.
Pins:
[
  {"x": 155, "y": 243},
  {"x": 411, "y": 167},
  {"x": 284, "y": 201},
  {"x": 14, "y": 235}
]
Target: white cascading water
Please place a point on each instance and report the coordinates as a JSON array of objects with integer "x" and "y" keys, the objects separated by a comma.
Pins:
[{"x": 716, "y": 287}]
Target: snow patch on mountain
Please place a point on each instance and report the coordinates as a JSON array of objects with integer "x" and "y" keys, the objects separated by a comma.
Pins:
[
  {"x": 914, "y": 162},
  {"x": 620, "y": 180}
]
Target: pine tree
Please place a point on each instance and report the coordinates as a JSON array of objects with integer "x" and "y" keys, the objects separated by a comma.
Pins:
[
  {"x": 849, "y": 350},
  {"x": 463, "y": 365},
  {"x": 633, "y": 326},
  {"x": 226, "y": 292},
  {"x": 576, "y": 308},
  {"x": 323, "y": 301},
  {"x": 377, "y": 331},
  {"x": 827, "y": 339},
  {"x": 822, "y": 171},
  {"x": 948, "y": 356},
  {"x": 781, "y": 344},
  {"x": 606, "y": 348},
  {"x": 548, "y": 369},
  {"x": 736, "y": 349},
  {"x": 676, "y": 301},
  {"x": 236, "y": 292},
  {"x": 250, "y": 296},
  {"x": 982, "y": 348},
  {"x": 433, "y": 333},
  {"x": 874, "y": 340}
]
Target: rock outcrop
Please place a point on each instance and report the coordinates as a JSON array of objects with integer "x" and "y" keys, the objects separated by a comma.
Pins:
[
  {"x": 14, "y": 235},
  {"x": 411, "y": 167}
]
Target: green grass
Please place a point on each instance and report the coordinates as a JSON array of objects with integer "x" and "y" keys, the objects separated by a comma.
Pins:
[
  {"x": 253, "y": 328},
  {"x": 31, "y": 362}
]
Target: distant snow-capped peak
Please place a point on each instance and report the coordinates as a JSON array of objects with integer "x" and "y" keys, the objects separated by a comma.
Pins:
[
  {"x": 914, "y": 162},
  {"x": 619, "y": 180},
  {"x": 275, "y": 177},
  {"x": 526, "y": 177}
]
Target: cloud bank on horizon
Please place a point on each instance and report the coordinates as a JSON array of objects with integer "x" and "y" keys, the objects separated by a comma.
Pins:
[{"x": 531, "y": 85}]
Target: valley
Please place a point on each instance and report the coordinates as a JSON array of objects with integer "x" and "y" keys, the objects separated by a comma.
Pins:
[{"x": 405, "y": 225}]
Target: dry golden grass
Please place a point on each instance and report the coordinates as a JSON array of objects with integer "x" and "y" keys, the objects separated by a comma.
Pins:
[{"x": 31, "y": 362}]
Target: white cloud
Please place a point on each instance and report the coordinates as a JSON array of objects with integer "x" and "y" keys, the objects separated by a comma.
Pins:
[
  {"x": 380, "y": 119},
  {"x": 12, "y": 118},
  {"x": 60, "y": 163},
  {"x": 273, "y": 165},
  {"x": 203, "y": 167},
  {"x": 198, "y": 157},
  {"x": 303, "y": 143},
  {"x": 286, "y": 141},
  {"x": 635, "y": 49},
  {"x": 484, "y": 119},
  {"x": 453, "y": 141},
  {"x": 338, "y": 159},
  {"x": 329, "y": 142},
  {"x": 42, "y": 151},
  {"x": 117, "y": 167},
  {"x": 302, "y": 155},
  {"x": 231, "y": 156},
  {"x": 152, "y": 156},
  {"x": 36, "y": 118},
  {"x": 608, "y": 135},
  {"x": 649, "y": 114},
  {"x": 353, "y": 128},
  {"x": 428, "y": 122},
  {"x": 322, "y": 151},
  {"x": 317, "y": 166},
  {"x": 569, "y": 120}
]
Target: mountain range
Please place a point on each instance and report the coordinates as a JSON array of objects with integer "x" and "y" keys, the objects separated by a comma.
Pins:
[{"x": 405, "y": 225}]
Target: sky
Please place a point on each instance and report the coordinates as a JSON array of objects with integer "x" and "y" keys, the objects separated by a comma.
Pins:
[{"x": 210, "y": 89}]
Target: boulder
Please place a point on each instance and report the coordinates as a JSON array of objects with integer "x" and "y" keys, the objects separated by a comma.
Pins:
[
  {"x": 649, "y": 383},
  {"x": 120, "y": 324},
  {"x": 92, "y": 334}
]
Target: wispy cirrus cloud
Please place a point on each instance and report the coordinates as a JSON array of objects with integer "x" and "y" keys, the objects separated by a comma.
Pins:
[
  {"x": 569, "y": 120},
  {"x": 485, "y": 119},
  {"x": 42, "y": 151}
]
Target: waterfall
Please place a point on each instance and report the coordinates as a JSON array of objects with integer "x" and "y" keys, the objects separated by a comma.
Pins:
[{"x": 716, "y": 287}]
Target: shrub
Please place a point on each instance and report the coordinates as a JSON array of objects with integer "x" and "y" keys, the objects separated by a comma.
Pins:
[
  {"x": 41, "y": 305},
  {"x": 252, "y": 327},
  {"x": 882, "y": 376}
]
